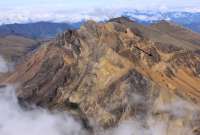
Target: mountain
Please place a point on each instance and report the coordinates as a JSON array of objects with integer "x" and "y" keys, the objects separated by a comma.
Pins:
[
  {"x": 50, "y": 29},
  {"x": 161, "y": 36},
  {"x": 38, "y": 30},
  {"x": 107, "y": 73},
  {"x": 187, "y": 19},
  {"x": 177, "y": 32},
  {"x": 13, "y": 47}
]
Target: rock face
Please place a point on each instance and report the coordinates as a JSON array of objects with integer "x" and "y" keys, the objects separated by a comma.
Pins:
[{"x": 110, "y": 72}]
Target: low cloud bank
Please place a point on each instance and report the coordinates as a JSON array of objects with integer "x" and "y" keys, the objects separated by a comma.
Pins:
[
  {"x": 3, "y": 65},
  {"x": 98, "y": 14},
  {"x": 14, "y": 120}
]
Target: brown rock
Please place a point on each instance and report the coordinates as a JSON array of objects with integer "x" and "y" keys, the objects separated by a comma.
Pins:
[{"x": 104, "y": 72}]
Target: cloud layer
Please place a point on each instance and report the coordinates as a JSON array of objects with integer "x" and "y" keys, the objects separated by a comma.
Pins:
[
  {"x": 86, "y": 4},
  {"x": 3, "y": 65},
  {"x": 22, "y": 11},
  {"x": 14, "y": 120}
]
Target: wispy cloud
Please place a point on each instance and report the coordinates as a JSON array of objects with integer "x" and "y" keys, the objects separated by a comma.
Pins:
[
  {"x": 15, "y": 120},
  {"x": 3, "y": 65},
  {"x": 68, "y": 4},
  {"x": 20, "y": 11},
  {"x": 48, "y": 6}
]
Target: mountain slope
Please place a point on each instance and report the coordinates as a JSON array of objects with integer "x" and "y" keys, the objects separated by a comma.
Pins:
[
  {"x": 110, "y": 72},
  {"x": 177, "y": 32},
  {"x": 186, "y": 19},
  {"x": 157, "y": 35},
  {"x": 38, "y": 30},
  {"x": 13, "y": 47}
]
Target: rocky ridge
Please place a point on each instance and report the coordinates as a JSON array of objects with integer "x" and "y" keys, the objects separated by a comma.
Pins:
[{"x": 106, "y": 73}]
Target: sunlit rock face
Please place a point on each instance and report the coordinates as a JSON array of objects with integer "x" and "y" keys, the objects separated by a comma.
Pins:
[{"x": 116, "y": 73}]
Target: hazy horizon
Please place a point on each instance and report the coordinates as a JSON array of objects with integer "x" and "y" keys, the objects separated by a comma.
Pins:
[
  {"x": 88, "y": 4},
  {"x": 22, "y": 11}
]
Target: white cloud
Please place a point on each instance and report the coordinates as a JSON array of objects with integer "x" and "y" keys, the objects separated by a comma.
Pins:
[
  {"x": 167, "y": 123},
  {"x": 77, "y": 10},
  {"x": 14, "y": 120},
  {"x": 3, "y": 65}
]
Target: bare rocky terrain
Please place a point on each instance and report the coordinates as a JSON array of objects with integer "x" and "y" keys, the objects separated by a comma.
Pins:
[{"x": 107, "y": 73}]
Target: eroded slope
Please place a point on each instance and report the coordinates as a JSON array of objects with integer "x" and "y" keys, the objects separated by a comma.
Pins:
[{"x": 110, "y": 72}]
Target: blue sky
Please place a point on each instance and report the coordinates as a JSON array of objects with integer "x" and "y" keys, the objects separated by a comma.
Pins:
[{"x": 72, "y": 4}]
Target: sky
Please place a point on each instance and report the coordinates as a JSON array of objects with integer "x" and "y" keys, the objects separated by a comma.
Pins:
[
  {"x": 22, "y": 11},
  {"x": 88, "y": 4}
]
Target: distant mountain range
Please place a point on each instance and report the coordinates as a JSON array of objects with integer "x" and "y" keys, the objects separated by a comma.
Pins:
[
  {"x": 186, "y": 19},
  {"x": 49, "y": 29},
  {"x": 38, "y": 30}
]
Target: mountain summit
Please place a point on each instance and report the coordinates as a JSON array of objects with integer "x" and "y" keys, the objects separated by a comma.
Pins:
[{"x": 107, "y": 73}]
